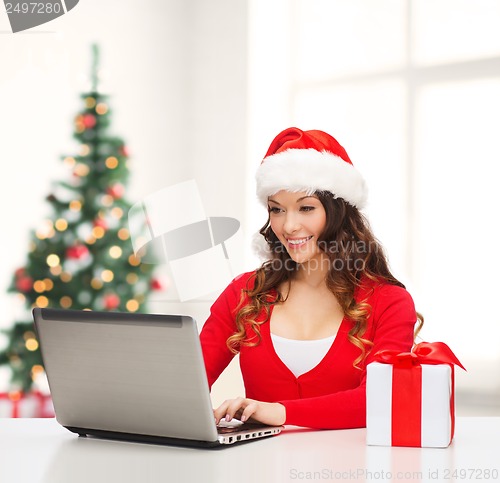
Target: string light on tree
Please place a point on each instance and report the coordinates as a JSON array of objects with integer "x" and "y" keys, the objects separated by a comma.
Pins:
[
  {"x": 41, "y": 286},
  {"x": 75, "y": 205},
  {"x": 69, "y": 161},
  {"x": 132, "y": 305},
  {"x": 61, "y": 224},
  {"x": 111, "y": 162},
  {"x": 46, "y": 230},
  {"x": 90, "y": 102},
  {"x": 115, "y": 251},
  {"x": 42, "y": 301},
  {"x": 123, "y": 234},
  {"x": 56, "y": 271},
  {"x": 84, "y": 150},
  {"x": 107, "y": 200},
  {"x": 101, "y": 108},
  {"x": 30, "y": 341},
  {"x": 53, "y": 260},
  {"x": 96, "y": 283},
  {"x": 107, "y": 276},
  {"x": 81, "y": 170},
  {"x": 36, "y": 371},
  {"x": 65, "y": 277},
  {"x": 134, "y": 261},
  {"x": 132, "y": 278},
  {"x": 66, "y": 302},
  {"x": 98, "y": 232},
  {"x": 117, "y": 212}
]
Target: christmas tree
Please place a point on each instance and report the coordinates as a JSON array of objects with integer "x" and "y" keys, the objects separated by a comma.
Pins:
[{"x": 82, "y": 257}]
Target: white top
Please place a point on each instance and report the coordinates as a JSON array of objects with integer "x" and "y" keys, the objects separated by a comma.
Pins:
[{"x": 300, "y": 356}]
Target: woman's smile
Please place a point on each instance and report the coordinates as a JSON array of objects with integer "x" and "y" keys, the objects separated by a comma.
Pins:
[{"x": 297, "y": 243}]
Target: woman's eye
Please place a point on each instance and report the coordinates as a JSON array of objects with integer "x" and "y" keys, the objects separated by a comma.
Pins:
[
  {"x": 274, "y": 209},
  {"x": 307, "y": 208}
]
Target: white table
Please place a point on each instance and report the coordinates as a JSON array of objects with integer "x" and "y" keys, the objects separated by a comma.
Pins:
[{"x": 39, "y": 450}]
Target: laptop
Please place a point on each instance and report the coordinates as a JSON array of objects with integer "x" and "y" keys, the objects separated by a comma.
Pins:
[{"x": 134, "y": 377}]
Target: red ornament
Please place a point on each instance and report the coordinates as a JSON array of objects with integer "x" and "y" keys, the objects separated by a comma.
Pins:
[
  {"x": 77, "y": 252},
  {"x": 89, "y": 121},
  {"x": 116, "y": 191},
  {"x": 111, "y": 301},
  {"x": 24, "y": 284},
  {"x": 101, "y": 222},
  {"x": 123, "y": 151},
  {"x": 155, "y": 284},
  {"x": 19, "y": 272}
]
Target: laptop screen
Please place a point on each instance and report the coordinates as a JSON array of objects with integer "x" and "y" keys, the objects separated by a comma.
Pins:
[{"x": 132, "y": 373}]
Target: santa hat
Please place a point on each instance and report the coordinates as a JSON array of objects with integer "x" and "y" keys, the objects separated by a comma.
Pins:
[{"x": 309, "y": 161}]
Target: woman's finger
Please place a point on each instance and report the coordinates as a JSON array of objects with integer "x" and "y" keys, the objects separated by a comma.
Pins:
[
  {"x": 228, "y": 408},
  {"x": 236, "y": 406},
  {"x": 249, "y": 410}
]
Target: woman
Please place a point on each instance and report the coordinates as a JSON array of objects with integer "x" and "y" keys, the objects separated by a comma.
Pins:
[{"x": 308, "y": 321}]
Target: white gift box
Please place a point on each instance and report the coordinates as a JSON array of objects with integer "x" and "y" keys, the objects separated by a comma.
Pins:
[
  {"x": 437, "y": 405},
  {"x": 30, "y": 405}
]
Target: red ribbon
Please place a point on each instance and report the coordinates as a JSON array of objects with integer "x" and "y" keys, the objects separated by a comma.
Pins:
[
  {"x": 16, "y": 398},
  {"x": 407, "y": 388}
]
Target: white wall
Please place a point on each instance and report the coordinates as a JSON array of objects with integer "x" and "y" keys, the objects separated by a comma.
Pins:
[{"x": 176, "y": 71}]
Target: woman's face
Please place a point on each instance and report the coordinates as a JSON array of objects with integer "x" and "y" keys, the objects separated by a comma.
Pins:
[{"x": 298, "y": 220}]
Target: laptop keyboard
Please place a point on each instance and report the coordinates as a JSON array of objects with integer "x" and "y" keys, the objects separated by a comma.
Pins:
[{"x": 226, "y": 430}]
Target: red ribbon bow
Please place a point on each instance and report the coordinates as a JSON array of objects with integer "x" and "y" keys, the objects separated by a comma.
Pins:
[
  {"x": 423, "y": 353},
  {"x": 407, "y": 388}
]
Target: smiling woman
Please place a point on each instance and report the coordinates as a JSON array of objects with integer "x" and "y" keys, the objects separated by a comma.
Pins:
[
  {"x": 308, "y": 321},
  {"x": 298, "y": 220}
]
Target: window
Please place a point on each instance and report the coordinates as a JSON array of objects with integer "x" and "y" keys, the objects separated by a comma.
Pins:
[{"x": 411, "y": 89}]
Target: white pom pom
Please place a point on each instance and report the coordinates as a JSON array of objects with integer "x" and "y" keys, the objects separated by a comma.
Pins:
[{"x": 260, "y": 247}]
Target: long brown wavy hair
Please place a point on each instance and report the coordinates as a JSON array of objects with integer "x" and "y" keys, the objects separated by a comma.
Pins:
[{"x": 353, "y": 251}]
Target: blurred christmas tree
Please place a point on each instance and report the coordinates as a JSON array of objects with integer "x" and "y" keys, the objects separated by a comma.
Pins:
[{"x": 82, "y": 257}]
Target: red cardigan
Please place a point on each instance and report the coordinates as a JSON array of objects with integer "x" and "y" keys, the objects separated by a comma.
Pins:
[{"x": 332, "y": 394}]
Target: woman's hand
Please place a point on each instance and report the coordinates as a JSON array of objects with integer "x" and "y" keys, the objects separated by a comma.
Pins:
[{"x": 273, "y": 414}]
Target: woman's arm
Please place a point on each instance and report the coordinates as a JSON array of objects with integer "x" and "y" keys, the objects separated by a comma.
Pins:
[{"x": 218, "y": 327}]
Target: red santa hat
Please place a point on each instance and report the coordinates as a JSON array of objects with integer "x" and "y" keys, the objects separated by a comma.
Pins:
[{"x": 309, "y": 161}]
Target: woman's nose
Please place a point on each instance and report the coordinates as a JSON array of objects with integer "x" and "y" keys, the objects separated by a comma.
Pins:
[{"x": 291, "y": 224}]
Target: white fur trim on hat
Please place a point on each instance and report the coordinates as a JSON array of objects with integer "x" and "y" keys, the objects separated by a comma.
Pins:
[{"x": 310, "y": 170}]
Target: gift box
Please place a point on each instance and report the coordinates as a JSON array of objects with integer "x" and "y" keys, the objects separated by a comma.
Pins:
[
  {"x": 16, "y": 404},
  {"x": 410, "y": 398}
]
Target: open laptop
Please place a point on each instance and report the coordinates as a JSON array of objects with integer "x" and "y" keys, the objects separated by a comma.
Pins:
[{"x": 136, "y": 377}]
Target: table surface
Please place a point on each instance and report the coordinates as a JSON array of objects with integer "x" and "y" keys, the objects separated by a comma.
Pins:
[{"x": 40, "y": 450}]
